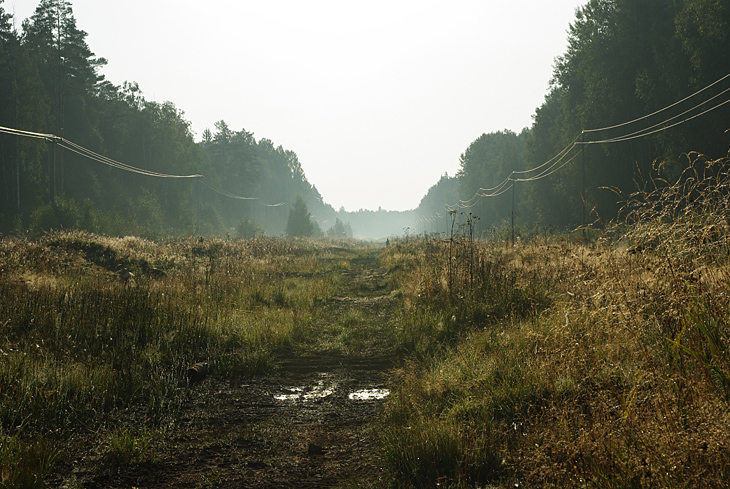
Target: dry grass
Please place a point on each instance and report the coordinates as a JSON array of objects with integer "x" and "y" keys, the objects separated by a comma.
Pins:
[{"x": 618, "y": 376}]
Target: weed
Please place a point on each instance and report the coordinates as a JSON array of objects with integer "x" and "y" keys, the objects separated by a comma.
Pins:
[
  {"x": 124, "y": 445},
  {"x": 25, "y": 463}
]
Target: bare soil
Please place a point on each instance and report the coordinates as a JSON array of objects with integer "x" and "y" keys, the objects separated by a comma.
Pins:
[{"x": 307, "y": 424}]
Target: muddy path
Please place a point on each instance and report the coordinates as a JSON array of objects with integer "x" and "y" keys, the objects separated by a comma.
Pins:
[{"x": 306, "y": 424}]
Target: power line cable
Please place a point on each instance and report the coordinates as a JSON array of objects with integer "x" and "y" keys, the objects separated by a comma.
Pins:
[
  {"x": 640, "y": 134},
  {"x": 80, "y": 150},
  {"x": 225, "y": 193},
  {"x": 660, "y": 110},
  {"x": 503, "y": 188},
  {"x": 559, "y": 155},
  {"x": 18, "y": 132},
  {"x": 547, "y": 172},
  {"x": 497, "y": 188},
  {"x": 469, "y": 201},
  {"x": 87, "y": 153}
]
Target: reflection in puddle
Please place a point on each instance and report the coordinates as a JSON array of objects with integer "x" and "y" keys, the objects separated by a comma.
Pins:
[
  {"x": 294, "y": 393},
  {"x": 368, "y": 394},
  {"x": 321, "y": 390},
  {"x": 318, "y": 391}
]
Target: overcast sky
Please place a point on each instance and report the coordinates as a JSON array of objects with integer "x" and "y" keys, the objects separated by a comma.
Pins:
[{"x": 378, "y": 99}]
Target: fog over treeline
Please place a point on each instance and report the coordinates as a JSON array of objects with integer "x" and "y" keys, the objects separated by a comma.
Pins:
[{"x": 625, "y": 59}]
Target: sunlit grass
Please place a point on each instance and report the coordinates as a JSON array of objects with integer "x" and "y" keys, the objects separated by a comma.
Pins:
[
  {"x": 604, "y": 365},
  {"x": 80, "y": 342}
]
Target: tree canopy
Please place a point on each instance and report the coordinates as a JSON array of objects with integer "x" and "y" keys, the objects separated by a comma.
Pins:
[
  {"x": 625, "y": 59},
  {"x": 50, "y": 82},
  {"x": 299, "y": 223}
]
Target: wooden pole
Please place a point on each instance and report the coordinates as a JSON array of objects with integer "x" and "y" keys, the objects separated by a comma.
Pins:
[
  {"x": 513, "y": 213},
  {"x": 583, "y": 182}
]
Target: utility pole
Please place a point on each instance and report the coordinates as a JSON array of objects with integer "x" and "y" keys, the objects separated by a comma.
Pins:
[
  {"x": 583, "y": 180},
  {"x": 513, "y": 213},
  {"x": 197, "y": 202},
  {"x": 17, "y": 114},
  {"x": 52, "y": 171}
]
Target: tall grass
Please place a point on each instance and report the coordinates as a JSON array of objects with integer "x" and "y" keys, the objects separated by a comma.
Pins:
[
  {"x": 453, "y": 285},
  {"x": 79, "y": 343},
  {"x": 606, "y": 367}
]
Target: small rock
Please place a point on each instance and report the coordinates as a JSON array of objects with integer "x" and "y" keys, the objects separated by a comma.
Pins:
[{"x": 197, "y": 372}]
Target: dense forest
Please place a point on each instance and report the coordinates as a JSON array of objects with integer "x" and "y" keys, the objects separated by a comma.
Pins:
[
  {"x": 625, "y": 59},
  {"x": 50, "y": 83}
]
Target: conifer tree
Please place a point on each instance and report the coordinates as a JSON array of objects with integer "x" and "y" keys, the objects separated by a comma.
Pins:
[{"x": 299, "y": 222}]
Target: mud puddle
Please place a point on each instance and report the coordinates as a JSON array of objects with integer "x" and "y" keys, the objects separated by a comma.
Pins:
[
  {"x": 335, "y": 377},
  {"x": 305, "y": 425}
]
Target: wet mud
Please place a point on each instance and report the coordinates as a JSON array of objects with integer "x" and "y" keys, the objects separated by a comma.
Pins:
[{"x": 307, "y": 424}]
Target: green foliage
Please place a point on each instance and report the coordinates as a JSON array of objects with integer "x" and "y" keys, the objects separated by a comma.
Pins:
[
  {"x": 53, "y": 84},
  {"x": 436, "y": 452},
  {"x": 616, "y": 372},
  {"x": 84, "y": 344},
  {"x": 711, "y": 348},
  {"x": 462, "y": 283},
  {"x": 124, "y": 445},
  {"x": 238, "y": 163},
  {"x": 299, "y": 223},
  {"x": 64, "y": 215},
  {"x": 209, "y": 221},
  {"x": 703, "y": 27},
  {"x": 339, "y": 230},
  {"x": 25, "y": 465},
  {"x": 486, "y": 162},
  {"x": 446, "y": 190},
  {"x": 625, "y": 59},
  {"x": 247, "y": 228}
]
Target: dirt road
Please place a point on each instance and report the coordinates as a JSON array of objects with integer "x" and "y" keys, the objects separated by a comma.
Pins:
[{"x": 305, "y": 425}]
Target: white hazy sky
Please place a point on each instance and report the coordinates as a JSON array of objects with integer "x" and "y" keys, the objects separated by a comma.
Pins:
[{"x": 378, "y": 99}]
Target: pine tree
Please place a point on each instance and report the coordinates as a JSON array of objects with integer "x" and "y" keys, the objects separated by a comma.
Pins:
[
  {"x": 66, "y": 64},
  {"x": 299, "y": 222}
]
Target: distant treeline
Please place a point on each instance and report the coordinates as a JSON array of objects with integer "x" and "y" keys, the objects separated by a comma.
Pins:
[
  {"x": 50, "y": 83},
  {"x": 625, "y": 59}
]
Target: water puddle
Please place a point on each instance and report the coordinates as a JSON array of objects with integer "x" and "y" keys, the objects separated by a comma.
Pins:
[
  {"x": 292, "y": 394},
  {"x": 368, "y": 394},
  {"x": 308, "y": 393},
  {"x": 325, "y": 387}
]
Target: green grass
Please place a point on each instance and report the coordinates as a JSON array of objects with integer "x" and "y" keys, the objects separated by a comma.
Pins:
[
  {"x": 25, "y": 462},
  {"x": 79, "y": 344},
  {"x": 124, "y": 445}
]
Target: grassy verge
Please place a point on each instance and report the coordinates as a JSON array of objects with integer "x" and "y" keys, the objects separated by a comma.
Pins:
[{"x": 570, "y": 364}]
